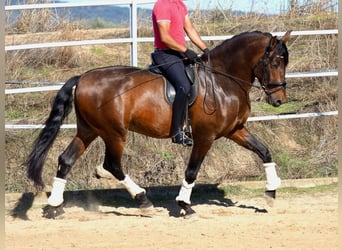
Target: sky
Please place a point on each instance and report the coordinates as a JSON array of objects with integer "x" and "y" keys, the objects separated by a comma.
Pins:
[{"x": 260, "y": 6}]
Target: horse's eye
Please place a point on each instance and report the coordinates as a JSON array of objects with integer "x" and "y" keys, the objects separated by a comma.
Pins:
[{"x": 274, "y": 64}]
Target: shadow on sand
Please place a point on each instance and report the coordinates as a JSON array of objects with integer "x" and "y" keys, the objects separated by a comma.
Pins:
[{"x": 160, "y": 196}]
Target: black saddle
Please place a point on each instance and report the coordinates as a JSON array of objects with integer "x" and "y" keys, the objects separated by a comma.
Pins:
[{"x": 170, "y": 91}]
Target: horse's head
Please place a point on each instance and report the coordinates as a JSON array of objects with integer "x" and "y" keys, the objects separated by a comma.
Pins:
[{"x": 270, "y": 70}]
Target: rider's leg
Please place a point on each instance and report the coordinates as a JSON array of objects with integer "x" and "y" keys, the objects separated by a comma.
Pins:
[
  {"x": 178, "y": 114},
  {"x": 173, "y": 68}
]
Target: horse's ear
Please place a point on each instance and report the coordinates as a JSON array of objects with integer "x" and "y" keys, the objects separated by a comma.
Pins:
[
  {"x": 287, "y": 36},
  {"x": 273, "y": 43}
]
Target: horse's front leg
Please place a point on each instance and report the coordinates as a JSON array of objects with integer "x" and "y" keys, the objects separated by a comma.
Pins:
[
  {"x": 247, "y": 140},
  {"x": 198, "y": 153},
  {"x": 112, "y": 163}
]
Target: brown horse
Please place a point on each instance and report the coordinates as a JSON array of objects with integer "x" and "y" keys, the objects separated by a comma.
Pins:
[{"x": 110, "y": 101}]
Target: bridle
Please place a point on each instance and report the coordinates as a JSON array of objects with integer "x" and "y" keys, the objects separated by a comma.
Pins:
[{"x": 268, "y": 87}]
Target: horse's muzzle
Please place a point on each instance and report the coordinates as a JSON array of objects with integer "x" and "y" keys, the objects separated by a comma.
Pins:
[
  {"x": 276, "y": 93},
  {"x": 276, "y": 99}
]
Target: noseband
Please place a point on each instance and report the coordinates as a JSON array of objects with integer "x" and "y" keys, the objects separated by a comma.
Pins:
[{"x": 268, "y": 87}]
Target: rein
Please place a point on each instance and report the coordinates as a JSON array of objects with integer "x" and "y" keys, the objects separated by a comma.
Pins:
[
  {"x": 211, "y": 81},
  {"x": 211, "y": 69},
  {"x": 266, "y": 87}
]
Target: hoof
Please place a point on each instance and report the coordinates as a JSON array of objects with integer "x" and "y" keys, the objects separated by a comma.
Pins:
[
  {"x": 270, "y": 193},
  {"x": 189, "y": 212},
  {"x": 51, "y": 212},
  {"x": 270, "y": 196},
  {"x": 144, "y": 202}
]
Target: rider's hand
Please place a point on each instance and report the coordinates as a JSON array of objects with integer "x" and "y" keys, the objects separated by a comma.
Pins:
[
  {"x": 206, "y": 51},
  {"x": 191, "y": 55}
]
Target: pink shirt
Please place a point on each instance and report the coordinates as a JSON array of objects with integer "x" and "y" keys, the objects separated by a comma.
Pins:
[{"x": 173, "y": 11}]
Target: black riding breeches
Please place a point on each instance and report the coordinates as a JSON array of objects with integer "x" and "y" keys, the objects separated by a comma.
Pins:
[{"x": 171, "y": 64}]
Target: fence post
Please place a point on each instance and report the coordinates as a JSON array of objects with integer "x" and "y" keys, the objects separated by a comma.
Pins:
[
  {"x": 134, "y": 33},
  {"x": 2, "y": 113}
]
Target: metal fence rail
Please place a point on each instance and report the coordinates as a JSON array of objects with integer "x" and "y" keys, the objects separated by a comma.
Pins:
[
  {"x": 149, "y": 39},
  {"x": 250, "y": 119}
]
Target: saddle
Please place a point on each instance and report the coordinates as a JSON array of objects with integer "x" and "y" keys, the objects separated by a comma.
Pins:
[{"x": 170, "y": 91}]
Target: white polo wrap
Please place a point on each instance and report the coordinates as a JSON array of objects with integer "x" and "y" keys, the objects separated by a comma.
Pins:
[
  {"x": 185, "y": 192},
  {"x": 56, "y": 197},
  {"x": 273, "y": 181},
  {"x": 131, "y": 187}
]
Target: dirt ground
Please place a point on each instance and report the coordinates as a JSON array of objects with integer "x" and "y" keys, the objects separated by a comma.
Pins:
[{"x": 302, "y": 221}]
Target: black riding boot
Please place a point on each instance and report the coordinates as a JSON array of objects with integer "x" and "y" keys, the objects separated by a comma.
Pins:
[{"x": 179, "y": 107}]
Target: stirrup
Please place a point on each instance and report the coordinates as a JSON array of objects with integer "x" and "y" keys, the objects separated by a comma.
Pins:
[{"x": 182, "y": 138}]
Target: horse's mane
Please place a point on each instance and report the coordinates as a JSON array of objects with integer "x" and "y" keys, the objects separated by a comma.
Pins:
[
  {"x": 245, "y": 34},
  {"x": 237, "y": 41}
]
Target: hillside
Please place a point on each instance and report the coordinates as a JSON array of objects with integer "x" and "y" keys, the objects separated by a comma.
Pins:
[
  {"x": 118, "y": 15},
  {"x": 114, "y": 14}
]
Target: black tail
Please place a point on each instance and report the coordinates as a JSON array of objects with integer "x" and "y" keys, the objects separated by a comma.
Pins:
[{"x": 61, "y": 107}]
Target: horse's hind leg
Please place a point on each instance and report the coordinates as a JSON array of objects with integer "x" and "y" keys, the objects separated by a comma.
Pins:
[
  {"x": 65, "y": 161},
  {"x": 112, "y": 163}
]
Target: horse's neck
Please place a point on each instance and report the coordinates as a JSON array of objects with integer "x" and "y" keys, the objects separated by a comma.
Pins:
[{"x": 238, "y": 59}]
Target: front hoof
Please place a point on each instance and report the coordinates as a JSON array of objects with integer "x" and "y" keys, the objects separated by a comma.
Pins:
[
  {"x": 51, "y": 212},
  {"x": 144, "y": 202},
  {"x": 270, "y": 196},
  {"x": 189, "y": 212},
  {"x": 270, "y": 193}
]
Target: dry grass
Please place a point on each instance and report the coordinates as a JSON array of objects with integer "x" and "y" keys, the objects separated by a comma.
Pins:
[{"x": 301, "y": 147}]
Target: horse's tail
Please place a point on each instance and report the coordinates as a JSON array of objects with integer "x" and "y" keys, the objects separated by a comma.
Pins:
[{"x": 61, "y": 107}]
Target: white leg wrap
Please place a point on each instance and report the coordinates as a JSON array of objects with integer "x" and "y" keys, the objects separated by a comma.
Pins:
[
  {"x": 273, "y": 181},
  {"x": 56, "y": 197},
  {"x": 131, "y": 187},
  {"x": 185, "y": 192}
]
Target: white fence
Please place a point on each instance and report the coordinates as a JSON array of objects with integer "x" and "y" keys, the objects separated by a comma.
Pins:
[{"x": 134, "y": 40}]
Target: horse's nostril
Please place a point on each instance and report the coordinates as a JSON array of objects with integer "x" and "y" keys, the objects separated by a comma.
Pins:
[{"x": 277, "y": 103}]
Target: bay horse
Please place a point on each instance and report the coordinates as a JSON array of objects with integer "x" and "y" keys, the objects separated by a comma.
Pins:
[{"x": 111, "y": 101}]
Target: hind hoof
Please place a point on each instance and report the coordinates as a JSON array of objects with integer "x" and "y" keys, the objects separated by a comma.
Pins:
[{"x": 50, "y": 212}]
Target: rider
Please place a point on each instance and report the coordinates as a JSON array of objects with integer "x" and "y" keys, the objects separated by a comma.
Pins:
[{"x": 170, "y": 20}]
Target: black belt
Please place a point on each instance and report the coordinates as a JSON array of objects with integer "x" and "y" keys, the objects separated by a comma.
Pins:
[{"x": 157, "y": 49}]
